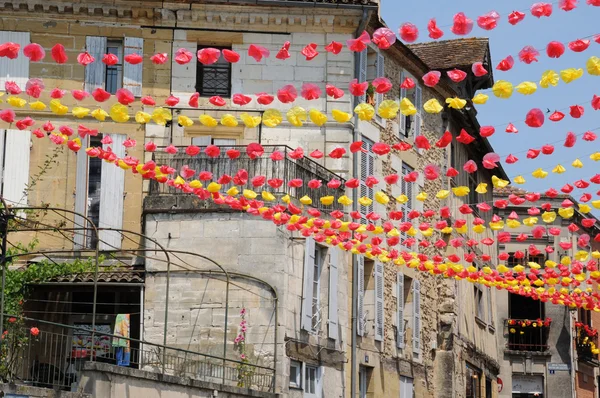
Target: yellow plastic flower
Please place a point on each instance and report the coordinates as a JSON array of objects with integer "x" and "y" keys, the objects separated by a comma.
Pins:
[
  {"x": 596, "y": 204},
  {"x": 296, "y": 116},
  {"x": 499, "y": 182},
  {"x": 382, "y": 198},
  {"x": 502, "y": 89},
  {"x": 195, "y": 184},
  {"x": 249, "y": 120},
  {"x": 364, "y": 201},
  {"x": 305, "y": 200},
  {"x": 421, "y": 197},
  {"x": 407, "y": 108},
  {"x": 526, "y": 88},
  {"x": 213, "y": 187},
  {"x": 233, "y": 191},
  {"x": 549, "y": 78},
  {"x": 341, "y": 117},
  {"x": 571, "y": 74},
  {"x": 433, "y": 106},
  {"x": 461, "y": 191},
  {"x": 548, "y": 217},
  {"x": 566, "y": 212},
  {"x": 364, "y": 111},
  {"x": 513, "y": 224},
  {"x": 442, "y": 194},
  {"x": 37, "y": 106},
  {"x": 267, "y": 196},
  {"x": 402, "y": 199},
  {"x": 388, "y": 109},
  {"x": 249, "y": 194},
  {"x": 479, "y": 229},
  {"x": 208, "y": 121},
  {"x": 593, "y": 66},
  {"x": 184, "y": 121},
  {"x": 480, "y": 99},
  {"x": 519, "y": 180},
  {"x": 272, "y": 118},
  {"x": 161, "y": 116},
  {"x": 481, "y": 188},
  {"x": 327, "y": 200},
  {"x": 16, "y": 102},
  {"x": 530, "y": 221},
  {"x": 456, "y": 103},
  {"x": 344, "y": 200},
  {"x": 559, "y": 169},
  {"x": 118, "y": 113},
  {"x": 228, "y": 120},
  {"x": 577, "y": 164},
  {"x": 286, "y": 199},
  {"x": 317, "y": 117},
  {"x": 142, "y": 117},
  {"x": 58, "y": 108},
  {"x": 99, "y": 114},
  {"x": 540, "y": 173},
  {"x": 583, "y": 208},
  {"x": 595, "y": 156},
  {"x": 80, "y": 112}
]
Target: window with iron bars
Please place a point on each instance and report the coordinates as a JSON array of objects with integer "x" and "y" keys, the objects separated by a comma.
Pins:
[{"x": 214, "y": 79}]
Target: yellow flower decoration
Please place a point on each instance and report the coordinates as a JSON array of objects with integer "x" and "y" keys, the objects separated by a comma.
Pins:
[
  {"x": 461, "y": 191},
  {"x": 596, "y": 204},
  {"x": 344, "y": 200},
  {"x": 305, "y": 200},
  {"x": 526, "y": 88},
  {"x": 195, "y": 184},
  {"x": 571, "y": 74},
  {"x": 595, "y": 156},
  {"x": 566, "y": 212},
  {"x": 249, "y": 194},
  {"x": 433, "y": 106},
  {"x": 593, "y": 66},
  {"x": 57, "y": 108},
  {"x": 480, "y": 99},
  {"x": 364, "y": 201},
  {"x": 388, "y": 109},
  {"x": 37, "y": 106},
  {"x": 479, "y": 229},
  {"x": 161, "y": 116},
  {"x": 228, "y": 120},
  {"x": 502, "y": 89},
  {"x": 268, "y": 196},
  {"x": 213, "y": 187},
  {"x": 559, "y": 169},
  {"x": 499, "y": 182},
  {"x": 402, "y": 199},
  {"x": 583, "y": 208},
  {"x": 327, "y": 200},
  {"x": 519, "y": 180},
  {"x": 421, "y": 197},
  {"x": 481, "y": 188},
  {"x": 407, "y": 108},
  {"x": 296, "y": 116},
  {"x": 442, "y": 194},
  {"x": 99, "y": 114},
  {"x": 142, "y": 117},
  {"x": 208, "y": 121},
  {"x": 341, "y": 117},
  {"x": 80, "y": 112},
  {"x": 549, "y": 78},
  {"x": 233, "y": 191},
  {"x": 184, "y": 121},
  {"x": 548, "y": 217},
  {"x": 513, "y": 224},
  {"x": 577, "y": 164},
  {"x": 317, "y": 117},
  {"x": 540, "y": 173},
  {"x": 456, "y": 103},
  {"x": 272, "y": 118},
  {"x": 16, "y": 102},
  {"x": 530, "y": 221},
  {"x": 382, "y": 198},
  {"x": 365, "y": 112},
  {"x": 118, "y": 113}
]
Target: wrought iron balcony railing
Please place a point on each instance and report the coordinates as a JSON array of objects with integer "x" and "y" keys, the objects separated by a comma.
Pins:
[
  {"x": 285, "y": 169},
  {"x": 527, "y": 335}
]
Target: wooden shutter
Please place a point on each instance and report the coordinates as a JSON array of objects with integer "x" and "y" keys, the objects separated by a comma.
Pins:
[
  {"x": 132, "y": 74},
  {"x": 112, "y": 188},
  {"x": 400, "y": 303},
  {"x": 361, "y": 296},
  {"x": 334, "y": 259},
  {"x": 379, "y": 319},
  {"x": 81, "y": 194},
  {"x": 380, "y": 66},
  {"x": 402, "y": 117},
  {"x": 95, "y": 73},
  {"x": 14, "y": 70},
  {"x": 16, "y": 167},
  {"x": 362, "y": 75},
  {"x": 309, "y": 265},
  {"x": 416, "y": 317}
]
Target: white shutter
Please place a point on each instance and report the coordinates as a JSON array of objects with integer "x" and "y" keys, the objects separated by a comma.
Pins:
[
  {"x": 380, "y": 66},
  {"x": 309, "y": 266},
  {"x": 112, "y": 188},
  {"x": 400, "y": 304},
  {"x": 81, "y": 194},
  {"x": 95, "y": 73},
  {"x": 418, "y": 119},
  {"x": 406, "y": 387},
  {"x": 132, "y": 74},
  {"x": 14, "y": 70},
  {"x": 202, "y": 140},
  {"x": 16, "y": 167},
  {"x": 361, "y": 296},
  {"x": 379, "y": 320},
  {"x": 362, "y": 76},
  {"x": 490, "y": 319},
  {"x": 334, "y": 259},
  {"x": 402, "y": 117},
  {"x": 416, "y": 317}
]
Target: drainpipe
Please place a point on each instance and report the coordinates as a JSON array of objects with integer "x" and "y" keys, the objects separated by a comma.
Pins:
[{"x": 355, "y": 173}]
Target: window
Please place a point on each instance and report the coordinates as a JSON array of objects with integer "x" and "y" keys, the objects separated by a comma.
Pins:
[
  {"x": 312, "y": 381},
  {"x": 407, "y": 189},
  {"x": 205, "y": 140},
  {"x": 473, "y": 377},
  {"x": 523, "y": 311},
  {"x": 320, "y": 254},
  {"x": 491, "y": 322},
  {"x": 114, "y": 73},
  {"x": 295, "y": 374},
  {"x": 406, "y": 387},
  {"x": 411, "y": 125},
  {"x": 488, "y": 388},
  {"x": 214, "y": 79},
  {"x": 404, "y": 305},
  {"x": 479, "y": 303},
  {"x": 584, "y": 316},
  {"x": 314, "y": 258},
  {"x": 93, "y": 194},
  {"x": 364, "y": 379}
]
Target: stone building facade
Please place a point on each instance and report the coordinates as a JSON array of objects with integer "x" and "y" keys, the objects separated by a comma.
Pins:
[{"x": 548, "y": 360}]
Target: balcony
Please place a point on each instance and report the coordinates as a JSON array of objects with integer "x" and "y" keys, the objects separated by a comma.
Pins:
[
  {"x": 527, "y": 335},
  {"x": 586, "y": 342},
  {"x": 285, "y": 169}
]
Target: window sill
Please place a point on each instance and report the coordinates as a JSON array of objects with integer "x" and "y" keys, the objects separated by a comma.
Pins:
[
  {"x": 480, "y": 322},
  {"x": 492, "y": 329}
]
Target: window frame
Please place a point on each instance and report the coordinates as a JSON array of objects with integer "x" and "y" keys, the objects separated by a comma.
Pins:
[
  {"x": 297, "y": 366},
  {"x": 119, "y": 66},
  {"x": 317, "y": 381},
  {"x": 317, "y": 318},
  {"x": 200, "y": 71}
]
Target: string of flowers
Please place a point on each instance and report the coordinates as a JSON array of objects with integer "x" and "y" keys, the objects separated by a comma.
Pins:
[
  {"x": 245, "y": 371},
  {"x": 528, "y": 323}
]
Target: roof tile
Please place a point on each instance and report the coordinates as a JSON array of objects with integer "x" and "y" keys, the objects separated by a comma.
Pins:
[{"x": 449, "y": 54}]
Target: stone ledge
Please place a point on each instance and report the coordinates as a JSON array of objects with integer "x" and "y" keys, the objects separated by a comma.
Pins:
[{"x": 182, "y": 381}]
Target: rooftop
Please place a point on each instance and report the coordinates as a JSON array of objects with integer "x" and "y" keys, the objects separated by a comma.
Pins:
[{"x": 449, "y": 54}]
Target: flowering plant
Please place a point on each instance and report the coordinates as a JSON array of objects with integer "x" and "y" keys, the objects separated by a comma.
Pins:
[
  {"x": 587, "y": 338},
  {"x": 527, "y": 323},
  {"x": 245, "y": 371}
]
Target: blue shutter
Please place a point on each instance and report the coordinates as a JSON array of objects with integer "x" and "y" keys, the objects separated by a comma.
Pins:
[
  {"x": 132, "y": 74},
  {"x": 112, "y": 189}
]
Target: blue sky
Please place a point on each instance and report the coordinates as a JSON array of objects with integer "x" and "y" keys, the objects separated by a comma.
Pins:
[{"x": 506, "y": 40}]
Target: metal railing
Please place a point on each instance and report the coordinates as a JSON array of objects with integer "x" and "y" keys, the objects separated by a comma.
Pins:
[
  {"x": 285, "y": 169},
  {"x": 524, "y": 336},
  {"x": 55, "y": 356}
]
